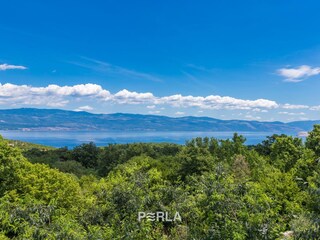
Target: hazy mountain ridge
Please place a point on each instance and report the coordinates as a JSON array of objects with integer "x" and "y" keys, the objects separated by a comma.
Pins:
[{"x": 55, "y": 119}]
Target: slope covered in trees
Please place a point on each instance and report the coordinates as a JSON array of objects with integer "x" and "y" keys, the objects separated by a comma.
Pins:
[
  {"x": 222, "y": 189},
  {"x": 62, "y": 120}
]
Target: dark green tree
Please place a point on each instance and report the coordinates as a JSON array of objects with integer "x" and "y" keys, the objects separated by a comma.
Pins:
[
  {"x": 313, "y": 140},
  {"x": 87, "y": 154}
]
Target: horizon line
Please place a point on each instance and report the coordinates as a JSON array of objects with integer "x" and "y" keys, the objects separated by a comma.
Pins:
[{"x": 141, "y": 114}]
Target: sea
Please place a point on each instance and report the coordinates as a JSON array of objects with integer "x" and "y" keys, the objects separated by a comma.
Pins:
[{"x": 71, "y": 139}]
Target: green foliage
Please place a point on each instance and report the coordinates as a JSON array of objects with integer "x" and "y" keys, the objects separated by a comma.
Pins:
[
  {"x": 33, "y": 197},
  {"x": 306, "y": 226},
  {"x": 221, "y": 188},
  {"x": 264, "y": 148},
  {"x": 86, "y": 154},
  {"x": 285, "y": 152},
  {"x": 28, "y": 146},
  {"x": 313, "y": 140}
]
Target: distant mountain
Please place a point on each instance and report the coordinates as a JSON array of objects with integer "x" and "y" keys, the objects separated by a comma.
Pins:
[{"x": 29, "y": 119}]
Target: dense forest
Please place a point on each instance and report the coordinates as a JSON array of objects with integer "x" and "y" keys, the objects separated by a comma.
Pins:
[{"x": 222, "y": 189}]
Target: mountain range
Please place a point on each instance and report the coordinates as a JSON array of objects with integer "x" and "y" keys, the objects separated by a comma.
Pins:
[{"x": 31, "y": 119}]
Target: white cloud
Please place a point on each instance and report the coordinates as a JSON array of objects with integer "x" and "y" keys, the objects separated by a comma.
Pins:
[
  {"x": 178, "y": 100},
  {"x": 126, "y": 97},
  {"x": 304, "y": 119},
  {"x": 88, "y": 94},
  {"x": 298, "y": 74},
  {"x": 251, "y": 117},
  {"x": 154, "y": 112},
  {"x": 315, "y": 108},
  {"x": 292, "y": 113},
  {"x": 52, "y": 95},
  {"x": 151, "y": 106},
  {"x": 89, "y": 89},
  {"x": 292, "y": 106},
  {"x": 259, "y": 110},
  {"x": 5, "y": 66},
  {"x": 180, "y": 113},
  {"x": 84, "y": 108},
  {"x": 216, "y": 102}
]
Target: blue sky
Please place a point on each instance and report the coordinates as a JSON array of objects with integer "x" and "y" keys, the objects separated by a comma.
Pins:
[{"x": 254, "y": 60}]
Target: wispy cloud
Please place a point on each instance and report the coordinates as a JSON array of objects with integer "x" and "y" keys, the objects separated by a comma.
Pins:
[
  {"x": 101, "y": 66},
  {"x": 294, "y": 106},
  {"x": 298, "y": 74},
  {"x": 196, "y": 81},
  {"x": 292, "y": 113},
  {"x": 199, "y": 68},
  {"x": 5, "y": 66}
]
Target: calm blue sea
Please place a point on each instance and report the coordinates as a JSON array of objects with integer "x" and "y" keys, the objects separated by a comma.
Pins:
[{"x": 74, "y": 138}]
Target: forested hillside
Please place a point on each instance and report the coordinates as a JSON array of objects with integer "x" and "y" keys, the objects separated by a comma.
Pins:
[
  {"x": 222, "y": 189},
  {"x": 33, "y": 119}
]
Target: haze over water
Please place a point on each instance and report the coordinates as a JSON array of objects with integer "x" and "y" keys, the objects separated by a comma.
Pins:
[{"x": 73, "y": 138}]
